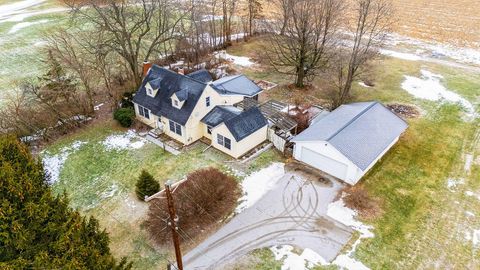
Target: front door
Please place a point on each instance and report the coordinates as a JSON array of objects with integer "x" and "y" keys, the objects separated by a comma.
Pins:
[{"x": 159, "y": 124}]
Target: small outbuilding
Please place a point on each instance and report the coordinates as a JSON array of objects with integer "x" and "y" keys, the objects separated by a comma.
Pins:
[{"x": 348, "y": 141}]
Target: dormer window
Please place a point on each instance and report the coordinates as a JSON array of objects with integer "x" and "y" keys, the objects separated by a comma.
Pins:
[
  {"x": 150, "y": 91},
  {"x": 175, "y": 103}
]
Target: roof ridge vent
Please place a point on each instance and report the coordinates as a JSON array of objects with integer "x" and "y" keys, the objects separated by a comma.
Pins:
[{"x": 352, "y": 120}]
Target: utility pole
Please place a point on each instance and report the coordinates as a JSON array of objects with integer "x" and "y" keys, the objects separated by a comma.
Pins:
[{"x": 173, "y": 224}]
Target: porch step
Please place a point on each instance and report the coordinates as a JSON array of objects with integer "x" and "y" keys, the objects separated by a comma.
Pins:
[{"x": 155, "y": 133}]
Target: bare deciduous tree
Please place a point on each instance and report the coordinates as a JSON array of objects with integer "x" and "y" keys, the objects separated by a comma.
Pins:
[
  {"x": 228, "y": 9},
  {"x": 254, "y": 9},
  {"x": 65, "y": 48},
  {"x": 309, "y": 34},
  {"x": 372, "y": 22},
  {"x": 133, "y": 29},
  {"x": 283, "y": 7}
]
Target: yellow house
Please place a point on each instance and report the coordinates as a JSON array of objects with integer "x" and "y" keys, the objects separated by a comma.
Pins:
[{"x": 189, "y": 107}]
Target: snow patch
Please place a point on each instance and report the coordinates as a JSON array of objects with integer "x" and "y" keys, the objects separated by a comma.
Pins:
[
  {"x": 9, "y": 9},
  {"x": 123, "y": 141},
  {"x": 258, "y": 183},
  {"x": 362, "y": 84},
  {"x": 401, "y": 55},
  {"x": 469, "y": 213},
  {"x": 19, "y": 26},
  {"x": 437, "y": 50},
  {"x": 476, "y": 237},
  {"x": 237, "y": 60},
  {"x": 52, "y": 164},
  {"x": 338, "y": 211},
  {"x": 429, "y": 87},
  {"x": 472, "y": 194},
  {"x": 293, "y": 261},
  {"x": 468, "y": 162},
  {"x": 453, "y": 183},
  {"x": 97, "y": 107},
  {"x": 109, "y": 192}
]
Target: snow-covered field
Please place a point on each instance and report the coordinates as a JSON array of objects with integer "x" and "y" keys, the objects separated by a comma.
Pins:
[
  {"x": 429, "y": 86},
  {"x": 417, "y": 50},
  {"x": 22, "y": 24}
]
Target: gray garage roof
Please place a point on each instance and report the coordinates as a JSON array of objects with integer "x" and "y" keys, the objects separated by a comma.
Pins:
[
  {"x": 360, "y": 131},
  {"x": 236, "y": 85}
]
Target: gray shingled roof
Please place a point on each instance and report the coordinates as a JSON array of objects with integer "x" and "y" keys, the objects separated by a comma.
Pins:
[
  {"x": 168, "y": 83},
  {"x": 237, "y": 84},
  {"x": 246, "y": 123},
  {"x": 360, "y": 131},
  {"x": 201, "y": 75},
  {"x": 220, "y": 114}
]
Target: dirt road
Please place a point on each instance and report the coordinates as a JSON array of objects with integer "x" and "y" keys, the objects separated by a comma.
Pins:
[{"x": 293, "y": 213}]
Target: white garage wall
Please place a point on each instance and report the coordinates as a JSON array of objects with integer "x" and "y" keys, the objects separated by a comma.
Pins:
[
  {"x": 354, "y": 173},
  {"x": 322, "y": 147}
]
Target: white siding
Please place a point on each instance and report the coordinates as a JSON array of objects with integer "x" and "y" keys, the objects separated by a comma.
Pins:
[
  {"x": 327, "y": 158},
  {"x": 350, "y": 176}
]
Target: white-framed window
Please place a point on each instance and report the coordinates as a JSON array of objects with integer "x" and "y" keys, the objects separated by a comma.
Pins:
[
  {"x": 207, "y": 101},
  {"x": 225, "y": 142},
  {"x": 144, "y": 112},
  {"x": 149, "y": 92},
  {"x": 175, "y": 103},
  {"x": 209, "y": 129},
  {"x": 175, "y": 127}
]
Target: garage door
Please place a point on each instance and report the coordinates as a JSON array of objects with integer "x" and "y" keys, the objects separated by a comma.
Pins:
[{"x": 324, "y": 163}]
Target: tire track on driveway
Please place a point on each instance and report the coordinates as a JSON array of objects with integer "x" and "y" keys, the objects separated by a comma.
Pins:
[{"x": 294, "y": 212}]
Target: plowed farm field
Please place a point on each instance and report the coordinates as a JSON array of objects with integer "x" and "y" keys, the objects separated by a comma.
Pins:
[{"x": 455, "y": 22}]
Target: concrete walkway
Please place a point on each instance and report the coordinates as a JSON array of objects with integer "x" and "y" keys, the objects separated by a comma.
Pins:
[{"x": 292, "y": 213}]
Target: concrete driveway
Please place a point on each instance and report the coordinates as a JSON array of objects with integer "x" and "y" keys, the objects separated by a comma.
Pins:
[{"x": 293, "y": 213}]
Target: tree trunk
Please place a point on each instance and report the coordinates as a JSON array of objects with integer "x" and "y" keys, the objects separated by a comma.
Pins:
[{"x": 300, "y": 77}]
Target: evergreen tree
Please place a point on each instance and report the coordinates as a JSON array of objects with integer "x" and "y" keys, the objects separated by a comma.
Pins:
[
  {"x": 57, "y": 84},
  {"x": 146, "y": 185},
  {"x": 38, "y": 229}
]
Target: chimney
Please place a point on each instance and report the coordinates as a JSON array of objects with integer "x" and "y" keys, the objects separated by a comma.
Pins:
[
  {"x": 181, "y": 71},
  {"x": 146, "y": 67}
]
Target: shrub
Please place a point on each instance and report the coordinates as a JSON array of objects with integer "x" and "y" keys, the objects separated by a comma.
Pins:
[
  {"x": 357, "y": 197},
  {"x": 146, "y": 185},
  {"x": 205, "y": 198},
  {"x": 124, "y": 116}
]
